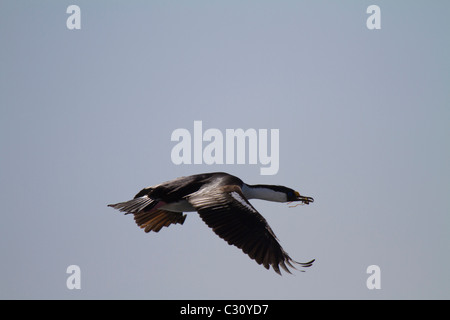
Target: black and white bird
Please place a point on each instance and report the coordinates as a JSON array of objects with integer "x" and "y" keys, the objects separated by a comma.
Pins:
[{"x": 221, "y": 200}]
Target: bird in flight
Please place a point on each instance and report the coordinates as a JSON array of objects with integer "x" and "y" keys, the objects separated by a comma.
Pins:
[{"x": 221, "y": 200}]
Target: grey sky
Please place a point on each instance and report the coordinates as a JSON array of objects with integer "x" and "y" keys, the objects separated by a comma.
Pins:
[{"x": 87, "y": 116}]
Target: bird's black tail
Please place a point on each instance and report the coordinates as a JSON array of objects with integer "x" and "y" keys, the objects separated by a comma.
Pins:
[{"x": 134, "y": 206}]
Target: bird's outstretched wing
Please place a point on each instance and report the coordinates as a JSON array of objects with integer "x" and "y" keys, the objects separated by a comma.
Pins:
[{"x": 231, "y": 216}]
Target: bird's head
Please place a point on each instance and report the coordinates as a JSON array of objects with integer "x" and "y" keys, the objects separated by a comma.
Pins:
[
  {"x": 293, "y": 195},
  {"x": 274, "y": 193}
]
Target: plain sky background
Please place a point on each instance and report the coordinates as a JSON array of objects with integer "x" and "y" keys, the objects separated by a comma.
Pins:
[{"x": 87, "y": 116}]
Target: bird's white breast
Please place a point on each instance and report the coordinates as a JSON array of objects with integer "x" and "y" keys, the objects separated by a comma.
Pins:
[{"x": 179, "y": 206}]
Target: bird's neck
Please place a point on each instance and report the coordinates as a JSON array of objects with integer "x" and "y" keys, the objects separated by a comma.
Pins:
[{"x": 263, "y": 192}]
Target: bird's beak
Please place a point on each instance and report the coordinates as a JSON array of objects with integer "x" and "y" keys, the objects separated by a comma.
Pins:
[{"x": 305, "y": 200}]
